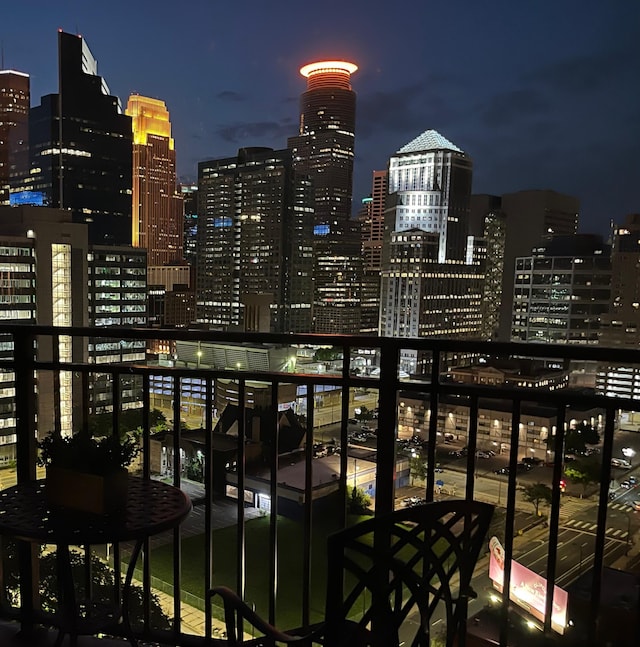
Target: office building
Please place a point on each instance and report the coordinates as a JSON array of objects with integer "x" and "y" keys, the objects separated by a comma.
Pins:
[
  {"x": 513, "y": 224},
  {"x": 621, "y": 325},
  {"x": 562, "y": 291},
  {"x": 157, "y": 216},
  {"x": 371, "y": 218},
  {"x": 189, "y": 194},
  {"x": 81, "y": 148},
  {"x": 431, "y": 277},
  {"x": 432, "y": 180},
  {"x": 14, "y": 129},
  {"x": 254, "y": 257},
  {"x": 324, "y": 150}
]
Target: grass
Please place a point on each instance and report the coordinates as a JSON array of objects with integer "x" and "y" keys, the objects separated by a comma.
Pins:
[{"x": 290, "y": 565}]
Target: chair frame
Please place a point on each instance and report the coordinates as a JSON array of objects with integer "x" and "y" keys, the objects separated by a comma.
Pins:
[{"x": 412, "y": 560}]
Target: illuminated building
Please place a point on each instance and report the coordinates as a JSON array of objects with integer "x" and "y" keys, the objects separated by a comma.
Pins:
[
  {"x": 14, "y": 129},
  {"x": 324, "y": 150},
  {"x": 371, "y": 218},
  {"x": 512, "y": 225},
  {"x": 621, "y": 326},
  {"x": 431, "y": 278},
  {"x": 432, "y": 179},
  {"x": 254, "y": 259},
  {"x": 157, "y": 221},
  {"x": 83, "y": 161},
  {"x": 190, "y": 209},
  {"x": 562, "y": 291}
]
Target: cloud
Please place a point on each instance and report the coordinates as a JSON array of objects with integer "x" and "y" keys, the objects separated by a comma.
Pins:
[
  {"x": 409, "y": 109},
  {"x": 230, "y": 95},
  {"x": 243, "y": 133},
  {"x": 507, "y": 107}
]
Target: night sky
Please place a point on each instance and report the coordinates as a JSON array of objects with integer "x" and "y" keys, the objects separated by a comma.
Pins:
[{"x": 541, "y": 94}]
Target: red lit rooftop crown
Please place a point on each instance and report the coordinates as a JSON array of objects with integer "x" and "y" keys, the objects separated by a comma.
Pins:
[{"x": 324, "y": 73}]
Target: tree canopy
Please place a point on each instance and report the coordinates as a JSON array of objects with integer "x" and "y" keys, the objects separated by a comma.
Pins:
[
  {"x": 584, "y": 472},
  {"x": 537, "y": 493}
]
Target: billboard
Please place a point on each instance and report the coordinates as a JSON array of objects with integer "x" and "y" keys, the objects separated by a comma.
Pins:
[{"x": 527, "y": 589}]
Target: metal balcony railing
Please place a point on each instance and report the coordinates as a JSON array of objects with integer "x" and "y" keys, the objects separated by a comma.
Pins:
[{"x": 270, "y": 456}]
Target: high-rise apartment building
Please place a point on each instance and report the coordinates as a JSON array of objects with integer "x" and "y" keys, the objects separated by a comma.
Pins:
[
  {"x": 14, "y": 129},
  {"x": 80, "y": 143},
  {"x": 513, "y": 224},
  {"x": 157, "y": 217},
  {"x": 254, "y": 257},
  {"x": 189, "y": 194},
  {"x": 562, "y": 291},
  {"x": 324, "y": 150}
]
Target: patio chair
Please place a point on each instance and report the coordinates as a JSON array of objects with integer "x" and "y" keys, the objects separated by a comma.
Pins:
[{"x": 383, "y": 570}]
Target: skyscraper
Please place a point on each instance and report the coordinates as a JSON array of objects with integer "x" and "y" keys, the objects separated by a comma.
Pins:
[
  {"x": 430, "y": 282},
  {"x": 512, "y": 225},
  {"x": 157, "y": 219},
  {"x": 80, "y": 144},
  {"x": 253, "y": 257},
  {"x": 432, "y": 178},
  {"x": 14, "y": 129},
  {"x": 324, "y": 150}
]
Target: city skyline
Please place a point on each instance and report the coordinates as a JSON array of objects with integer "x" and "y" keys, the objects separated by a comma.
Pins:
[{"x": 538, "y": 97}]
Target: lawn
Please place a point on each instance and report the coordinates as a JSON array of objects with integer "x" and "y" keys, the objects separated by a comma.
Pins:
[{"x": 290, "y": 565}]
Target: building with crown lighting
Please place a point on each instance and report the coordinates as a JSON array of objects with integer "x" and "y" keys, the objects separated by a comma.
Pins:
[
  {"x": 81, "y": 148},
  {"x": 14, "y": 129},
  {"x": 157, "y": 219},
  {"x": 324, "y": 150}
]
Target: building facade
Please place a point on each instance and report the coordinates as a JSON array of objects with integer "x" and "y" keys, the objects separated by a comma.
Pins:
[
  {"x": 157, "y": 213},
  {"x": 14, "y": 130},
  {"x": 324, "y": 150},
  {"x": 81, "y": 148},
  {"x": 513, "y": 224},
  {"x": 562, "y": 291},
  {"x": 254, "y": 257}
]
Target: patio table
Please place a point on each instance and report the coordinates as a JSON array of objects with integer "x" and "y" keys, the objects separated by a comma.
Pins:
[{"x": 151, "y": 507}]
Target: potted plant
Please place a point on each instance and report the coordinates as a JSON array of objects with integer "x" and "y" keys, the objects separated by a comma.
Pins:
[{"x": 86, "y": 473}]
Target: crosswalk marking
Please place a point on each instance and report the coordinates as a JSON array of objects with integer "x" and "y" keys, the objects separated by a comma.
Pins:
[{"x": 587, "y": 526}]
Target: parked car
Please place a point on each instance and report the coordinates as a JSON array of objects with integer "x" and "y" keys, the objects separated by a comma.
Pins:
[
  {"x": 454, "y": 453},
  {"x": 531, "y": 460},
  {"x": 625, "y": 484},
  {"x": 523, "y": 467},
  {"x": 481, "y": 454},
  {"x": 502, "y": 470},
  {"x": 633, "y": 480},
  {"x": 352, "y": 421}
]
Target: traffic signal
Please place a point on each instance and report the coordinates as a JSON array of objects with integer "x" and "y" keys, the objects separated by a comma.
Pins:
[{"x": 563, "y": 486}]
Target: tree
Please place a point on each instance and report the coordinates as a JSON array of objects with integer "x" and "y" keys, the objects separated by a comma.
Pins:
[
  {"x": 359, "y": 500},
  {"x": 102, "y": 583},
  {"x": 417, "y": 469},
  {"x": 588, "y": 433},
  {"x": 584, "y": 472},
  {"x": 537, "y": 493}
]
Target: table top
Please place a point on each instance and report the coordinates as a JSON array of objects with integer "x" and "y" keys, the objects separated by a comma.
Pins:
[{"x": 152, "y": 506}]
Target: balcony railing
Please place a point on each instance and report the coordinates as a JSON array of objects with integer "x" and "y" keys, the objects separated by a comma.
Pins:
[{"x": 270, "y": 457}]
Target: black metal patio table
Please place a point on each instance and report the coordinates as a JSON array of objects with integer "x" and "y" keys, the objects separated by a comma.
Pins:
[{"x": 151, "y": 507}]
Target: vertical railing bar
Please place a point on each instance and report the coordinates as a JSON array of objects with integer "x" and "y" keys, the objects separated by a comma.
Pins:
[
  {"x": 344, "y": 436},
  {"x": 387, "y": 428},
  {"x": 24, "y": 352},
  {"x": 115, "y": 416},
  {"x": 554, "y": 514},
  {"x": 510, "y": 521},
  {"x": 146, "y": 473},
  {"x": 601, "y": 528},
  {"x": 273, "y": 513},
  {"x": 308, "y": 518},
  {"x": 434, "y": 403},
  {"x": 472, "y": 445},
  {"x": 240, "y": 471},
  {"x": 177, "y": 482},
  {"x": 85, "y": 401},
  {"x": 208, "y": 501},
  {"x": 308, "y": 525}
]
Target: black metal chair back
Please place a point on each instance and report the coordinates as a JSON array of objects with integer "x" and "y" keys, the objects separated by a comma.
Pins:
[{"x": 413, "y": 562}]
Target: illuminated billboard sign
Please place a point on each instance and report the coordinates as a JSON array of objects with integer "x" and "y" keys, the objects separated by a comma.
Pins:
[
  {"x": 527, "y": 589},
  {"x": 32, "y": 198}
]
